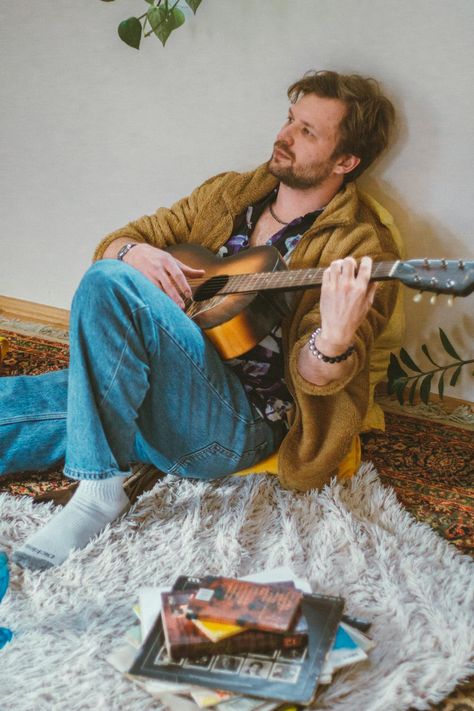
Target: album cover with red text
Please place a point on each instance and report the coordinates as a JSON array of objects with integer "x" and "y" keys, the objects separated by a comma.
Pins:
[
  {"x": 266, "y": 607},
  {"x": 184, "y": 639}
]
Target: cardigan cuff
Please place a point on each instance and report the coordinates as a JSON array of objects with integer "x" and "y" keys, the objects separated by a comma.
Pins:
[{"x": 300, "y": 383}]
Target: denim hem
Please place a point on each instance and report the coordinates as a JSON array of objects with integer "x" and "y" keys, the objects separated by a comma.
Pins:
[{"x": 79, "y": 474}]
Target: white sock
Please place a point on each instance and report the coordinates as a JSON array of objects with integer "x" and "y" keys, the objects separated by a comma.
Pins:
[{"x": 94, "y": 504}]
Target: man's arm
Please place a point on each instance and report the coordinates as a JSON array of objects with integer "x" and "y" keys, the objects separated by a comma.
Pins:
[
  {"x": 166, "y": 226},
  {"x": 153, "y": 233},
  {"x": 163, "y": 270},
  {"x": 150, "y": 235},
  {"x": 346, "y": 297}
]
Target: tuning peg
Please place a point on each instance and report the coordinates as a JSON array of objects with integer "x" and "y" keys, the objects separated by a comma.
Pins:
[
  {"x": 451, "y": 298},
  {"x": 433, "y": 299},
  {"x": 417, "y": 298}
]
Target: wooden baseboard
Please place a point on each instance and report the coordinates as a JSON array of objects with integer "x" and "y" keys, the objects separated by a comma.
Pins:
[
  {"x": 449, "y": 403},
  {"x": 34, "y": 313}
]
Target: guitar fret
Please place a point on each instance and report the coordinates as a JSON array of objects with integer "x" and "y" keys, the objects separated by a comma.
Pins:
[
  {"x": 246, "y": 283},
  {"x": 272, "y": 280}
]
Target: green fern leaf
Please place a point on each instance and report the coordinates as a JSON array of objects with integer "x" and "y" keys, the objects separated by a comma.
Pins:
[
  {"x": 441, "y": 385},
  {"x": 425, "y": 350},
  {"x": 394, "y": 370},
  {"x": 398, "y": 389},
  {"x": 447, "y": 345},
  {"x": 408, "y": 360},
  {"x": 412, "y": 391},
  {"x": 425, "y": 388},
  {"x": 455, "y": 376}
]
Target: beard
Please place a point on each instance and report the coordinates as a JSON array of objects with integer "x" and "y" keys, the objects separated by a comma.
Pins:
[{"x": 301, "y": 177}]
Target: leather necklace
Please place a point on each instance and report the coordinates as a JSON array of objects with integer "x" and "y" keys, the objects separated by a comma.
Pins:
[{"x": 272, "y": 213}]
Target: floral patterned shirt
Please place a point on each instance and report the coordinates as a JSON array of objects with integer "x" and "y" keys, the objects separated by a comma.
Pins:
[{"x": 261, "y": 369}]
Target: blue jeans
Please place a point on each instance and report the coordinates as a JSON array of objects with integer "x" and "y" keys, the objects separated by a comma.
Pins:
[{"x": 144, "y": 385}]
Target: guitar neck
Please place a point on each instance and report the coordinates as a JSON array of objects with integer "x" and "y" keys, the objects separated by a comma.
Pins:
[{"x": 293, "y": 279}]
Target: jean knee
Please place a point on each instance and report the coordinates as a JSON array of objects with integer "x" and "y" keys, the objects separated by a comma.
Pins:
[
  {"x": 104, "y": 272},
  {"x": 102, "y": 282}
]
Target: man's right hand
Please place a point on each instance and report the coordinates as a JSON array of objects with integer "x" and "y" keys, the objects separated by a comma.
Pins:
[{"x": 166, "y": 272}]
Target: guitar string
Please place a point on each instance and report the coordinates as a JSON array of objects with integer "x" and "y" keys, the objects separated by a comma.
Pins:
[
  {"x": 253, "y": 281},
  {"x": 380, "y": 269},
  {"x": 232, "y": 288}
]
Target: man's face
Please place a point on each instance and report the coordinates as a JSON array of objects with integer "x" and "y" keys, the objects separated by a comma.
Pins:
[{"x": 303, "y": 153}]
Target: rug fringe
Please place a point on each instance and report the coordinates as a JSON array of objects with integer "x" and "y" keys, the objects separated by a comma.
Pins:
[
  {"x": 37, "y": 329},
  {"x": 462, "y": 414}
]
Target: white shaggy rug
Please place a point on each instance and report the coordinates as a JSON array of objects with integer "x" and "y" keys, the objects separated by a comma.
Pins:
[{"x": 353, "y": 540}]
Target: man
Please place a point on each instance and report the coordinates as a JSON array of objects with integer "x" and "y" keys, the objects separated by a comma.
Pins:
[{"x": 145, "y": 384}]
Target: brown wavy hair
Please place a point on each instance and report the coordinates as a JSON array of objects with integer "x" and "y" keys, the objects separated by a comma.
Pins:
[{"x": 365, "y": 130}]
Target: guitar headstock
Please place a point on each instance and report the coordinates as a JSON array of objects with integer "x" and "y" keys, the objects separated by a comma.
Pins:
[{"x": 441, "y": 276}]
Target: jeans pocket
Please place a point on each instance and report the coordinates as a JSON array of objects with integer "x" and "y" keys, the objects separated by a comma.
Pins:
[{"x": 215, "y": 460}]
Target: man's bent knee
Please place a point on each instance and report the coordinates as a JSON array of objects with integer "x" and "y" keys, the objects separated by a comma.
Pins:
[{"x": 103, "y": 281}]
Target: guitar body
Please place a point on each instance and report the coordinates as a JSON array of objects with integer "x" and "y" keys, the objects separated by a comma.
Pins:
[{"x": 234, "y": 323}]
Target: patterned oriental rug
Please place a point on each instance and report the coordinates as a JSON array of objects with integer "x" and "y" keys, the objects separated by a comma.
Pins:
[{"x": 429, "y": 464}]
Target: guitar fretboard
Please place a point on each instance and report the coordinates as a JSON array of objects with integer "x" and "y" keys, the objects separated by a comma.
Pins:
[{"x": 291, "y": 279}]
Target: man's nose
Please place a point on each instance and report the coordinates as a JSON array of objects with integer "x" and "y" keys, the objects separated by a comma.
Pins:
[{"x": 286, "y": 134}]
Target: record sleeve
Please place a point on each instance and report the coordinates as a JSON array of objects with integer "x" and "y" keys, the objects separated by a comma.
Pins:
[
  {"x": 269, "y": 607},
  {"x": 286, "y": 675}
]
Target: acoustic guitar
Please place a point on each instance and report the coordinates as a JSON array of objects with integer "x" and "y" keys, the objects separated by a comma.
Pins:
[{"x": 242, "y": 298}]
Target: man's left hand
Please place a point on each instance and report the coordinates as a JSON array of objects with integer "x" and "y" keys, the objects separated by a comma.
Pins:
[{"x": 346, "y": 297}]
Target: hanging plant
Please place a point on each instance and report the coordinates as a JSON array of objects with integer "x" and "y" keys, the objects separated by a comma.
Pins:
[
  {"x": 161, "y": 19},
  {"x": 420, "y": 380}
]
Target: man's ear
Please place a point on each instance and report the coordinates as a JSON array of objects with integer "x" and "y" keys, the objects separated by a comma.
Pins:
[{"x": 345, "y": 163}]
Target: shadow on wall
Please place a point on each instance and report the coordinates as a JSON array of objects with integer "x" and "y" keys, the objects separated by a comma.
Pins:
[
  {"x": 425, "y": 237},
  {"x": 422, "y": 236}
]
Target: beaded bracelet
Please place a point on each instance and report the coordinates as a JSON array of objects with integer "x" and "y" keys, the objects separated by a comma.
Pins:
[{"x": 327, "y": 359}]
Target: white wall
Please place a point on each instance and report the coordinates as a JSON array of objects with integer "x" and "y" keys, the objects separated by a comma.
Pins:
[{"x": 94, "y": 133}]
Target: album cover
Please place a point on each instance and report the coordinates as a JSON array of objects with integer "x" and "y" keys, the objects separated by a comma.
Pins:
[
  {"x": 286, "y": 675},
  {"x": 267, "y": 607},
  {"x": 216, "y": 631},
  {"x": 183, "y": 639}
]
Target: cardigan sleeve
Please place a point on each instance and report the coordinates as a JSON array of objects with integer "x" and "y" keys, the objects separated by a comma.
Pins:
[
  {"x": 166, "y": 226},
  {"x": 368, "y": 244}
]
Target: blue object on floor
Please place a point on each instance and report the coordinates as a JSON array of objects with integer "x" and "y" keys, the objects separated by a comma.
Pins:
[{"x": 5, "y": 634}]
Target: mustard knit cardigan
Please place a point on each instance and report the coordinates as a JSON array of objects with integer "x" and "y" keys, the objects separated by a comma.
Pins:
[{"x": 326, "y": 418}]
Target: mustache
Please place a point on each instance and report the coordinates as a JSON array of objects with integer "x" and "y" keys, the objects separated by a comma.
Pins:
[{"x": 284, "y": 148}]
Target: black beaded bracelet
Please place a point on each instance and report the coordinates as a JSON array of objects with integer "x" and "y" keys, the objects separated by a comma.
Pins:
[{"x": 327, "y": 359}]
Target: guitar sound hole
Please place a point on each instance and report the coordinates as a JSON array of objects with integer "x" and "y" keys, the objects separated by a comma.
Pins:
[{"x": 211, "y": 287}]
